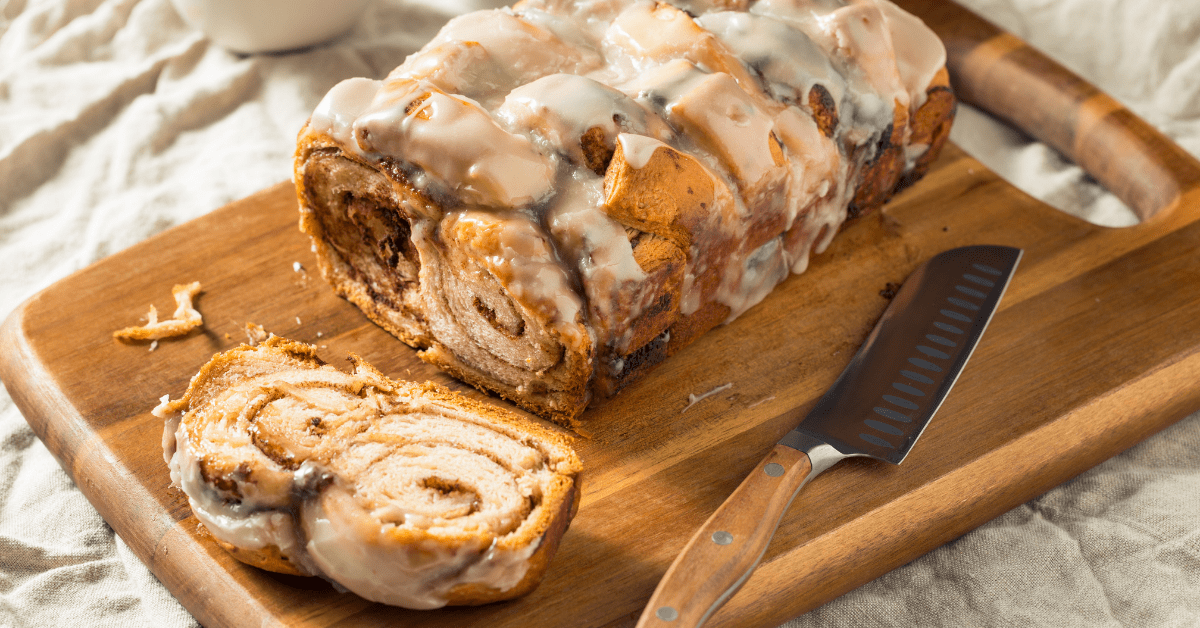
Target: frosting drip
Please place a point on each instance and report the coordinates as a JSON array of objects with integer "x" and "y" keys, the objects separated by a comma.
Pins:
[
  {"x": 397, "y": 492},
  {"x": 510, "y": 118}
]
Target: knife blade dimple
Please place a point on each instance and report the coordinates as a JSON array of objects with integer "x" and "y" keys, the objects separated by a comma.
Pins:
[
  {"x": 878, "y": 407},
  {"x": 885, "y": 398}
]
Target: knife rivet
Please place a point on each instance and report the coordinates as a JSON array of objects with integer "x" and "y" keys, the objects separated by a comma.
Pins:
[
  {"x": 721, "y": 537},
  {"x": 773, "y": 469},
  {"x": 666, "y": 613}
]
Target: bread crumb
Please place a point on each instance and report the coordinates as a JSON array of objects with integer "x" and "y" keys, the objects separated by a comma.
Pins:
[
  {"x": 299, "y": 269},
  {"x": 153, "y": 345},
  {"x": 298, "y": 321},
  {"x": 761, "y": 401},
  {"x": 185, "y": 318},
  {"x": 163, "y": 409},
  {"x": 693, "y": 398},
  {"x": 256, "y": 334}
]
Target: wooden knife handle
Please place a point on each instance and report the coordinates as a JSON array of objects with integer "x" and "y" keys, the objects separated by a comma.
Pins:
[{"x": 721, "y": 556}]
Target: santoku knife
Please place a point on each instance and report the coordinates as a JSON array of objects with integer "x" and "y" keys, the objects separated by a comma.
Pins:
[{"x": 877, "y": 408}]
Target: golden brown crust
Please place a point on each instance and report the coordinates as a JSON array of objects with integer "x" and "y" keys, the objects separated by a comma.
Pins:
[
  {"x": 622, "y": 360},
  {"x": 823, "y": 109},
  {"x": 475, "y": 594},
  {"x": 596, "y": 151},
  {"x": 183, "y": 321},
  {"x": 689, "y": 327},
  {"x": 672, "y": 195},
  {"x": 674, "y": 34},
  {"x": 544, "y": 529},
  {"x": 211, "y": 377},
  {"x": 360, "y": 217},
  {"x": 695, "y": 212},
  {"x": 931, "y": 124},
  {"x": 333, "y": 213},
  {"x": 268, "y": 558},
  {"x": 663, "y": 264},
  {"x": 881, "y": 171}
]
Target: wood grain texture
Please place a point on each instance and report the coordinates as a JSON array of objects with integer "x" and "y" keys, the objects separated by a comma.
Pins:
[
  {"x": 1020, "y": 85},
  {"x": 712, "y": 567},
  {"x": 1095, "y": 347}
]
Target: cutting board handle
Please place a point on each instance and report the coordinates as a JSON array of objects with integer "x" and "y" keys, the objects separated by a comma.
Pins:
[{"x": 1001, "y": 74}]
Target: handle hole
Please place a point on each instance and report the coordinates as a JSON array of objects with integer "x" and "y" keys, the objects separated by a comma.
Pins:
[{"x": 1036, "y": 169}]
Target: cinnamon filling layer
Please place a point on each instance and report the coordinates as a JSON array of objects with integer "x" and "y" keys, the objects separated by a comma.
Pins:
[
  {"x": 400, "y": 492},
  {"x": 562, "y": 183}
]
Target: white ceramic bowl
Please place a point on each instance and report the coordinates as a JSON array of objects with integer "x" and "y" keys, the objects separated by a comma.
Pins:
[{"x": 250, "y": 26}]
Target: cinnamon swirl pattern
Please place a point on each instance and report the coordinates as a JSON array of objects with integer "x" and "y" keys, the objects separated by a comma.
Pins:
[
  {"x": 405, "y": 494},
  {"x": 549, "y": 199}
]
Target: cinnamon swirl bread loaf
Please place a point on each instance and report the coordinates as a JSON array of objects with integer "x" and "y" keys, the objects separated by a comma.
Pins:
[
  {"x": 548, "y": 200},
  {"x": 405, "y": 494}
]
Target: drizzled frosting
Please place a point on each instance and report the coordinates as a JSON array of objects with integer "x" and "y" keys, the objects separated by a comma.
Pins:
[
  {"x": 456, "y": 143},
  {"x": 557, "y": 110},
  {"x": 398, "y": 492},
  {"x": 787, "y": 59},
  {"x": 518, "y": 110}
]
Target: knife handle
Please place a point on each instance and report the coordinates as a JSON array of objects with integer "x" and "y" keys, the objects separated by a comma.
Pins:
[{"x": 723, "y": 553}]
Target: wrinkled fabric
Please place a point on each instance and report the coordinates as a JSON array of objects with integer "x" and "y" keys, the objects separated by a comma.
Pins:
[{"x": 117, "y": 121}]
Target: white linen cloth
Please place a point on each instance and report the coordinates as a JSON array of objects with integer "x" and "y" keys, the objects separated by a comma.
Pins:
[{"x": 117, "y": 121}]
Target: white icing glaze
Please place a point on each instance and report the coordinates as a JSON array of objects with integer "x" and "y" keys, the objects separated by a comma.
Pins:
[
  {"x": 526, "y": 46},
  {"x": 654, "y": 32},
  {"x": 690, "y": 296},
  {"x": 457, "y": 67},
  {"x": 557, "y": 110},
  {"x": 398, "y": 566},
  {"x": 918, "y": 51},
  {"x": 359, "y": 510},
  {"x": 719, "y": 123},
  {"x": 245, "y": 524},
  {"x": 508, "y": 95},
  {"x": 638, "y": 149},
  {"x": 787, "y": 58},
  {"x": 600, "y": 241},
  {"x": 859, "y": 32},
  {"x": 814, "y": 159},
  {"x": 455, "y": 141},
  {"x": 728, "y": 123},
  {"x": 665, "y": 83},
  {"x": 170, "y": 424},
  {"x": 750, "y": 279},
  {"x": 912, "y": 153},
  {"x": 340, "y": 108},
  {"x": 526, "y": 261},
  {"x": 599, "y": 250},
  {"x": 853, "y": 35}
]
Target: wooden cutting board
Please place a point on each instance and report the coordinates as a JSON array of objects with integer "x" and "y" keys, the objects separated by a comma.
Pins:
[{"x": 1093, "y": 349}]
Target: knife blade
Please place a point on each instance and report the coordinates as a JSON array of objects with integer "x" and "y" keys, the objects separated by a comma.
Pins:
[{"x": 877, "y": 408}]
